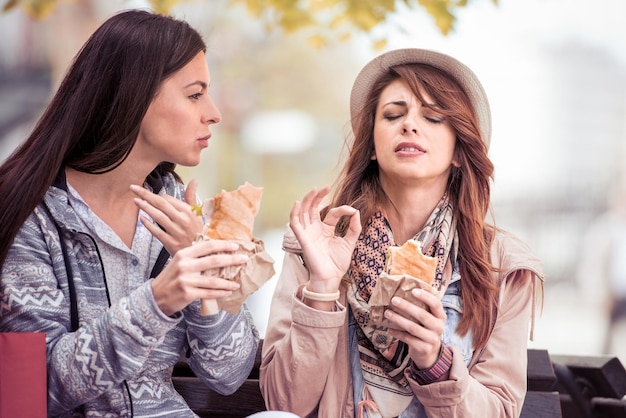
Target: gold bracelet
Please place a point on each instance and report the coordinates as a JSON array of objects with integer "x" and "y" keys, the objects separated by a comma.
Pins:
[{"x": 320, "y": 297}]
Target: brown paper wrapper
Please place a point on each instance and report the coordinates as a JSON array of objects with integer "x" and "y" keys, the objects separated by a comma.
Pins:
[
  {"x": 389, "y": 286},
  {"x": 251, "y": 276}
]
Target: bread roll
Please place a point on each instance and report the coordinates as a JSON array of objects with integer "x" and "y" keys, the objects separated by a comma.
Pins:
[
  {"x": 409, "y": 259},
  {"x": 230, "y": 215}
]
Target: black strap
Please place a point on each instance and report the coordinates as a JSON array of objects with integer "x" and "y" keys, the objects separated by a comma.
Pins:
[
  {"x": 70, "y": 281},
  {"x": 159, "y": 263}
]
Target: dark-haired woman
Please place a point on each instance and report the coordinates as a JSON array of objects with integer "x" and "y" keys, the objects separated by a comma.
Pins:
[
  {"x": 96, "y": 227},
  {"x": 417, "y": 169}
]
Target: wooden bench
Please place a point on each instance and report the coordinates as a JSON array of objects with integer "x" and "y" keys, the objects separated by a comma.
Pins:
[
  {"x": 591, "y": 386},
  {"x": 542, "y": 400},
  {"x": 546, "y": 396},
  {"x": 206, "y": 403}
]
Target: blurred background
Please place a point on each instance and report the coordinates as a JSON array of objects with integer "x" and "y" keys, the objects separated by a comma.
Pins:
[{"x": 555, "y": 73}]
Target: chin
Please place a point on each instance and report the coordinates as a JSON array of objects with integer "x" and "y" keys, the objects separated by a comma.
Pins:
[{"x": 187, "y": 162}]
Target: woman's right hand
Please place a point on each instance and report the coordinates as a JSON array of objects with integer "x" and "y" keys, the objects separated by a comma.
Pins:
[
  {"x": 181, "y": 281},
  {"x": 175, "y": 224},
  {"x": 326, "y": 255}
]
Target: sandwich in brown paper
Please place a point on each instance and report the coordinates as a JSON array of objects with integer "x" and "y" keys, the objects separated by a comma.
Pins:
[
  {"x": 230, "y": 215},
  {"x": 406, "y": 268}
]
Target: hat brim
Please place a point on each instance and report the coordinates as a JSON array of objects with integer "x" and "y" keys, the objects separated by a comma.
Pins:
[{"x": 457, "y": 70}]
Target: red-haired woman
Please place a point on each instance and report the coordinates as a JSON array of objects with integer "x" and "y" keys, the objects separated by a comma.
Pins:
[{"x": 417, "y": 169}]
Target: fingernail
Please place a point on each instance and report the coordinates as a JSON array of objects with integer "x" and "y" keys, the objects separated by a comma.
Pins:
[
  {"x": 416, "y": 292},
  {"x": 396, "y": 301},
  {"x": 243, "y": 258},
  {"x": 134, "y": 187},
  {"x": 388, "y": 314}
]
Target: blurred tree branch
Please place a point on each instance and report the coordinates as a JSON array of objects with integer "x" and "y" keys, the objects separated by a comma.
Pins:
[{"x": 324, "y": 18}]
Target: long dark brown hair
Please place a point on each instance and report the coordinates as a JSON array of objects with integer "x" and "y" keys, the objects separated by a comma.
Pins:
[
  {"x": 93, "y": 120},
  {"x": 468, "y": 186}
]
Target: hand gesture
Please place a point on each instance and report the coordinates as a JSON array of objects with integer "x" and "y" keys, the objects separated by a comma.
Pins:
[
  {"x": 326, "y": 255},
  {"x": 423, "y": 330},
  {"x": 179, "y": 224},
  {"x": 182, "y": 281}
]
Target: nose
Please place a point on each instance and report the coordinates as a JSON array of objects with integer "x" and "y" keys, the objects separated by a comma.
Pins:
[
  {"x": 409, "y": 126},
  {"x": 212, "y": 114},
  {"x": 411, "y": 121}
]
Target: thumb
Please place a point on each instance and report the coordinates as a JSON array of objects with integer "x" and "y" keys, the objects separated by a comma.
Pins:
[{"x": 191, "y": 196}]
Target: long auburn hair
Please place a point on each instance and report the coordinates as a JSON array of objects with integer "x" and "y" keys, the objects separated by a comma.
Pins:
[
  {"x": 468, "y": 186},
  {"x": 93, "y": 120}
]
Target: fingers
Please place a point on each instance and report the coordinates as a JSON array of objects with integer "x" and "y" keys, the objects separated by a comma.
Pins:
[
  {"x": 177, "y": 223},
  {"x": 161, "y": 208},
  {"x": 294, "y": 217},
  {"x": 309, "y": 208},
  {"x": 154, "y": 229},
  {"x": 199, "y": 264},
  {"x": 354, "y": 229},
  {"x": 415, "y": 321},
  {"x": 209, "y": 247},
  {"x": 304, "y": 212},
  {"x": 334, "y": 214},
  {"x": 432, "y": 301}
]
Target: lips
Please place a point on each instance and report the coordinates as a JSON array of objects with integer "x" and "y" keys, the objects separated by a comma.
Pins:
[
  {"x": 409, "y": 147},
  {"x": 204, "y": 141}
]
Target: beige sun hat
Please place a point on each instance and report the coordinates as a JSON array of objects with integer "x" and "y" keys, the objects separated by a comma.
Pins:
[{"x": 456, "y": 69}]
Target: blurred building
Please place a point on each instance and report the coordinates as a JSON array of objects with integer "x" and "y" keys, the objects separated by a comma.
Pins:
[{"x": 24, "y": 78}]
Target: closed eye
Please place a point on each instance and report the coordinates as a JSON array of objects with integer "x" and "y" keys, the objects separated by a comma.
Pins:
[
  {"x": 432, "y": 119},
  {"x": 392, "y": 116}
]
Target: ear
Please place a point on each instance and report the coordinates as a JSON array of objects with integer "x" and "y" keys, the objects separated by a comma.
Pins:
[{"x": 455, "y": 158}]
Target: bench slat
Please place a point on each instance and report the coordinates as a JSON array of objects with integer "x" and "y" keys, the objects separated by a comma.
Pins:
[
  {"x": 541, "y": 404},
  {"x": 245, "y": 401}
]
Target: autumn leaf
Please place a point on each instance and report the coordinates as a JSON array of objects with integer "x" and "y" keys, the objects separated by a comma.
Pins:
[
  {"x": 163, "y": 6},
  {"x": 36, "y": 9},
  {"x": 337, "y": 16},
  {"x": 10, "y": 5}
]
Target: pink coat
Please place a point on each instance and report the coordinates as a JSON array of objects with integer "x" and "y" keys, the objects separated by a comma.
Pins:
[{"x": 306, "y": 368}]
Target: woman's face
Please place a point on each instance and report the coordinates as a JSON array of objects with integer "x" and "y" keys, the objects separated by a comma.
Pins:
[
  {"x": 413, "y": 144},
  {"x": 176, "y": 126}
]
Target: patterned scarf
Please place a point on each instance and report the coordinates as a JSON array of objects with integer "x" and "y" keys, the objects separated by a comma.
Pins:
[{"x": 383, "y": 359}]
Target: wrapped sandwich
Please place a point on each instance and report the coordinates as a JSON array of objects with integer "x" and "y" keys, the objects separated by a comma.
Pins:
[
  {"x": 406, "y": 268},
  {"x": 230, "y": 215}
]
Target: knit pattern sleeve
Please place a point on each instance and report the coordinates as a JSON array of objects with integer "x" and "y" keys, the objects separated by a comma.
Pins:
[{"x": 222, "y": 346}]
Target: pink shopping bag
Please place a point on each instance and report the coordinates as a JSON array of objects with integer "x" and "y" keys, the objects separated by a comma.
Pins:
[{"x": 23, "y": 375}]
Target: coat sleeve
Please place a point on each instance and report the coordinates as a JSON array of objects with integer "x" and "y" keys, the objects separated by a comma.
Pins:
[
  {"x": 300, "y": 345},
  {"x": 496, "y": 385},
  {"x": 223, "y": 347}
]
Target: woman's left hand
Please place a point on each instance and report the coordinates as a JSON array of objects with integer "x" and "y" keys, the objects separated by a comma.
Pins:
[
  {"x": 176, "y": 222},
  {"x": 422, "y": 332}
]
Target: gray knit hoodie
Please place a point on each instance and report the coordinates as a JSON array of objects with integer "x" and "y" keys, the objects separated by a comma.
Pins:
[{"x": 119, "y": 359}]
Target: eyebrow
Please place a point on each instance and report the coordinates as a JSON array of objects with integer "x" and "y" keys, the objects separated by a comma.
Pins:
[
  {"x": 396, "y": 103},
  {"x": 404, "y": 103},
  {"x": 197, "y": 83}
]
